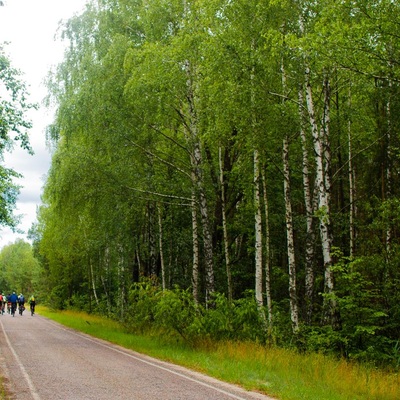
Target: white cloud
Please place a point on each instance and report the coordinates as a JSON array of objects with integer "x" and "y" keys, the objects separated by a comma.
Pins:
[{"x": 30, "y": 27}]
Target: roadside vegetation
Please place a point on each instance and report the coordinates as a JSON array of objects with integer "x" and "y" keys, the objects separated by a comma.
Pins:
[{"x": 282, "y": 373}]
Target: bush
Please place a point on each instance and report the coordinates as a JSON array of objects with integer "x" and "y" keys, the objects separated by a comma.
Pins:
[
  {"x": 176, "y": 312},
  {"x": 142, "y": 302}
]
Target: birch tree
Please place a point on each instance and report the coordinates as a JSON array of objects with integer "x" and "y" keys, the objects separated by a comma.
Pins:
[{"x": 14, "y": 128}]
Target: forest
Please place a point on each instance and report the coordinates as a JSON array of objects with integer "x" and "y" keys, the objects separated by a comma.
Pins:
[{"x": 229, "y": 169}]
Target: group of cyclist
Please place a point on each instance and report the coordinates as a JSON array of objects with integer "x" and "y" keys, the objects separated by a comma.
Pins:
[{"x": 9, "y": 303}]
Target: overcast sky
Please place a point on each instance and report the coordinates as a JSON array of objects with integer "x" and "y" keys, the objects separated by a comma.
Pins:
[{"x": 30, "y": 27}]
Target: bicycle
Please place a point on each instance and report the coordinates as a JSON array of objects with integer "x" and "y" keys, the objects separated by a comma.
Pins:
[
  {"x": 13, "y": 308},
  {"x": 32, "y": 305},
  {"x": 21, "y": 309}
]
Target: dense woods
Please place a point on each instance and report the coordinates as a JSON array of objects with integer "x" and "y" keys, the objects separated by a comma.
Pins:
[{"x": 229, "y": 168}]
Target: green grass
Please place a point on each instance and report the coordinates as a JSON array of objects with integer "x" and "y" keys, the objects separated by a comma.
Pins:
[{"x": 280, "y": 373}]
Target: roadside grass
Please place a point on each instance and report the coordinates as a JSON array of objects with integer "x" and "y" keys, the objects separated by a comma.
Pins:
[
  {"x": 3, "y": 392},
  {"x": 280, "y": 373}
]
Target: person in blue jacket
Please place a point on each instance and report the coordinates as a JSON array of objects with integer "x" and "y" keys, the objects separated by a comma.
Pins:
[{"x": 13, "y": 300}]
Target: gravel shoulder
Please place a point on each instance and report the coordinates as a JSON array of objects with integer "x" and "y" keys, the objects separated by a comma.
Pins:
[{"x": 40, "y": 360}]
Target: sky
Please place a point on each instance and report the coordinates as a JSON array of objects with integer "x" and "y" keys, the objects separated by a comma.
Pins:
[{"x": 30, "y": 26}]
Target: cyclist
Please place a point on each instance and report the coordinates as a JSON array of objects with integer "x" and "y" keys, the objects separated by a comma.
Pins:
[
  {"x": 13, "y": 301},
  {"x": 3, "y": 306},
  {"x": 21, "y": 303},
  {"x": 32, "y": 303}
]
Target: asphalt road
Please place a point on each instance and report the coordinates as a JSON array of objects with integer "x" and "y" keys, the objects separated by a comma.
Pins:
[{"x": 40, "y": 360}]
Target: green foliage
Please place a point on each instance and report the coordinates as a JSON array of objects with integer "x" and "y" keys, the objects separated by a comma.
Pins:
[
  {"x": 13, "y": 129},
  {"x": 142, "y": 301},
  {"x": 364, "y": 315},
  {"x": 174, "y": 311},
  {"x": 19, "y": 268},
  {"x": 239, "y": 320},
  {"x": 57, "y": 298}
]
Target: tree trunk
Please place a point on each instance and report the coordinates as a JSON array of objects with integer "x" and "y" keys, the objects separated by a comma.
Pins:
[
  {"x": 294, "y": 316},
  {"x": 224, "y": 226},
  {"x": 389, "y": 184},
  {"x": 195, "y": 268},
  {"x": 160, "y": 239},
  {"x": 258, "y": 237},
  {"x": 152, "y": 240},
  {"x": 207, "y": 238},
  {"x": 122, "y": 281},
  {"x": 330, "y": 302},
  {"x": 322, "y": 161},
  {"x": 197, "y": 166},
  {"x": 93, "y": 281},
  {"x": 103, "y": 281},
  {"x": 309, "y": 205},
  {"x": 267, "y": 253},
  {"x": 351, "y": 188},
  {"x": 294, "y": 313}
]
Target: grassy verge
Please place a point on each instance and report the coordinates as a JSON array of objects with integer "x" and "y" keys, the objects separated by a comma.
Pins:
[{"x": 280, "y": 373}]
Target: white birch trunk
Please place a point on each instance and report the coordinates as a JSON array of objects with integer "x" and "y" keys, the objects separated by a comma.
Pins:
[
  {"x": 267, "y": 253},
  {"x": 327, "y": 243},
  {"x": 258, "y": 237},
  {"x": 309, "y": 205},
  {"x": 294, "y": 315},
  {"x": 322, "y": 159},
  {"x": 224, "y": 226},
  {"x": 152, "y": 240},
  {"x": 351, "y": 187},
  {"x": 160, "y": 244},
  {"x": 93, "y": 281},
  {"x": 389, "y": 232},
  {"x": 197, "y": 167},
  {"x": 195, "y": 234},
  {"x": 103, "y": 281},
  {"x": 207, "y": 238},
  {"x": 257, "y": 205},
  {"x": 121, "y": 279}
]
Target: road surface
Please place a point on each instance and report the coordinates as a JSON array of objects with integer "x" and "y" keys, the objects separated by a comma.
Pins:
[{"x": 41, "y": 360}]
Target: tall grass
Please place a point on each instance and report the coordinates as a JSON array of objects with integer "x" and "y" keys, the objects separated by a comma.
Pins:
[{"x": 281, "y": 373}]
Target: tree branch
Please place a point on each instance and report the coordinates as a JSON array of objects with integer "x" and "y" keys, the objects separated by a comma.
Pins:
[{"x": 158, "y": 158}]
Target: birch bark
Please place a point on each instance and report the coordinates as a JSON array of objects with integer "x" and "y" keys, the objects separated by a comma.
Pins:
[
  {"x": 294, "y": 315},
  {"x": 224, "y": 225},
  {"x": 322, "y": 182},
  {"x": 267, "y": 252},
  {"x": 258, "y": 235},
  {"x": 351, "y": 186},
  {"x": 389, "y": 233},
  {"x": 197, "y": 166},
  {"x": 152, "y": 240},
  {"x": 160, "y": 245},
  {"x": 195, "y": 244},
  {"x": 310, "y": 226}
]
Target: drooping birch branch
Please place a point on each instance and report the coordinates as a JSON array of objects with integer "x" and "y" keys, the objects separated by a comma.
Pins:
[{"x": 149, "y": 153}]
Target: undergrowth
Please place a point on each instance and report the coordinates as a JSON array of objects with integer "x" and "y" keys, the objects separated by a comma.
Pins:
[{"x": 285, "y": 374}]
